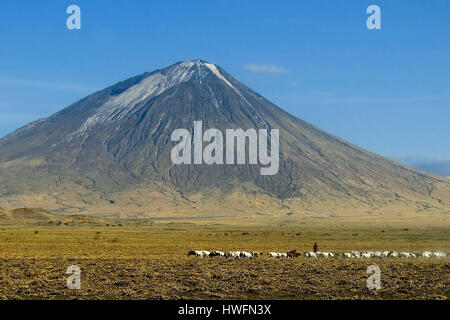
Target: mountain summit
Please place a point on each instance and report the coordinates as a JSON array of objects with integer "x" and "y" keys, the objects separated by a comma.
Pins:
[{"x": 109, "y": 154}]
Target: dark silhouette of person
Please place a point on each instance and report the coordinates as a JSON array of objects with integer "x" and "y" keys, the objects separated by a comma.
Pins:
[{"x": 316, "y": 247}]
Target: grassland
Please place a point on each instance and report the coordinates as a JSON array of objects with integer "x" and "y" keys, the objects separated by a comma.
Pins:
[{"x": 142, "y": 260}]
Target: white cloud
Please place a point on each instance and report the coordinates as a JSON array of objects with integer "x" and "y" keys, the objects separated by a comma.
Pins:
[
  {"x": 437, "y": 166},
  {"x": 330, "y": 97},
  {"x": 266, "y": 68},
  {"x": 45, "y": 84}
]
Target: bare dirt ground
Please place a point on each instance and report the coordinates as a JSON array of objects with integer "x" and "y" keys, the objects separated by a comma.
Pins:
[
  {"x": 150, "y": 262},
  {"x": 183, "y": 278}
]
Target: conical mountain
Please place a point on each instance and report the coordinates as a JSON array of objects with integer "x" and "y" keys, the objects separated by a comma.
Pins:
[{"x": 109, "y": 153}]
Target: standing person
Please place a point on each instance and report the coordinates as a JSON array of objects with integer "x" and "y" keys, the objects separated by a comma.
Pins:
[{"x": 316, "y": 247}]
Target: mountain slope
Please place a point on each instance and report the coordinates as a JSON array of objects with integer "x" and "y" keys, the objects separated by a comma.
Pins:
[{"x": 110, "y": 154}]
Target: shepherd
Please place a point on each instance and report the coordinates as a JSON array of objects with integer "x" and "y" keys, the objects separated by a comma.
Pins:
[{"x": 315, "y": 247}]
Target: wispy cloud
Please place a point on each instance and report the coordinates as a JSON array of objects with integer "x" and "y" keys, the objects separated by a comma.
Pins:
[
  {"x": 266, "y": 68},
  {"x": 325, "y": 97},
  {"x": 45, "y": 84},
  {"x": 437, "y": 166}
]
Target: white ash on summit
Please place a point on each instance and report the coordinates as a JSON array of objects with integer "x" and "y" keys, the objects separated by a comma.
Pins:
[{"x": 155, "y": 84}]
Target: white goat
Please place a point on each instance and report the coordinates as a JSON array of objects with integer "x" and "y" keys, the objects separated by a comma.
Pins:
[{"x": 246, "y": 255}]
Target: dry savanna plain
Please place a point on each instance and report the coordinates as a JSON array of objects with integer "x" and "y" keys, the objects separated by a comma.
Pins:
[{"x": 144, "y": 259}]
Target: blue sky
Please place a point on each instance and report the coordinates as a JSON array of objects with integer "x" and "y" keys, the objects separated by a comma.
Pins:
[{"x": 386, "y": 90}]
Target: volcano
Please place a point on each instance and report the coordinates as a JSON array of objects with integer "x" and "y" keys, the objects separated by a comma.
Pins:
[{"x": 110, "y": 154}]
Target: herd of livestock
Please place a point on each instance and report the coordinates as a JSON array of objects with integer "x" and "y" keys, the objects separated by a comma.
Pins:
[{"x": 319, "y": 255}]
